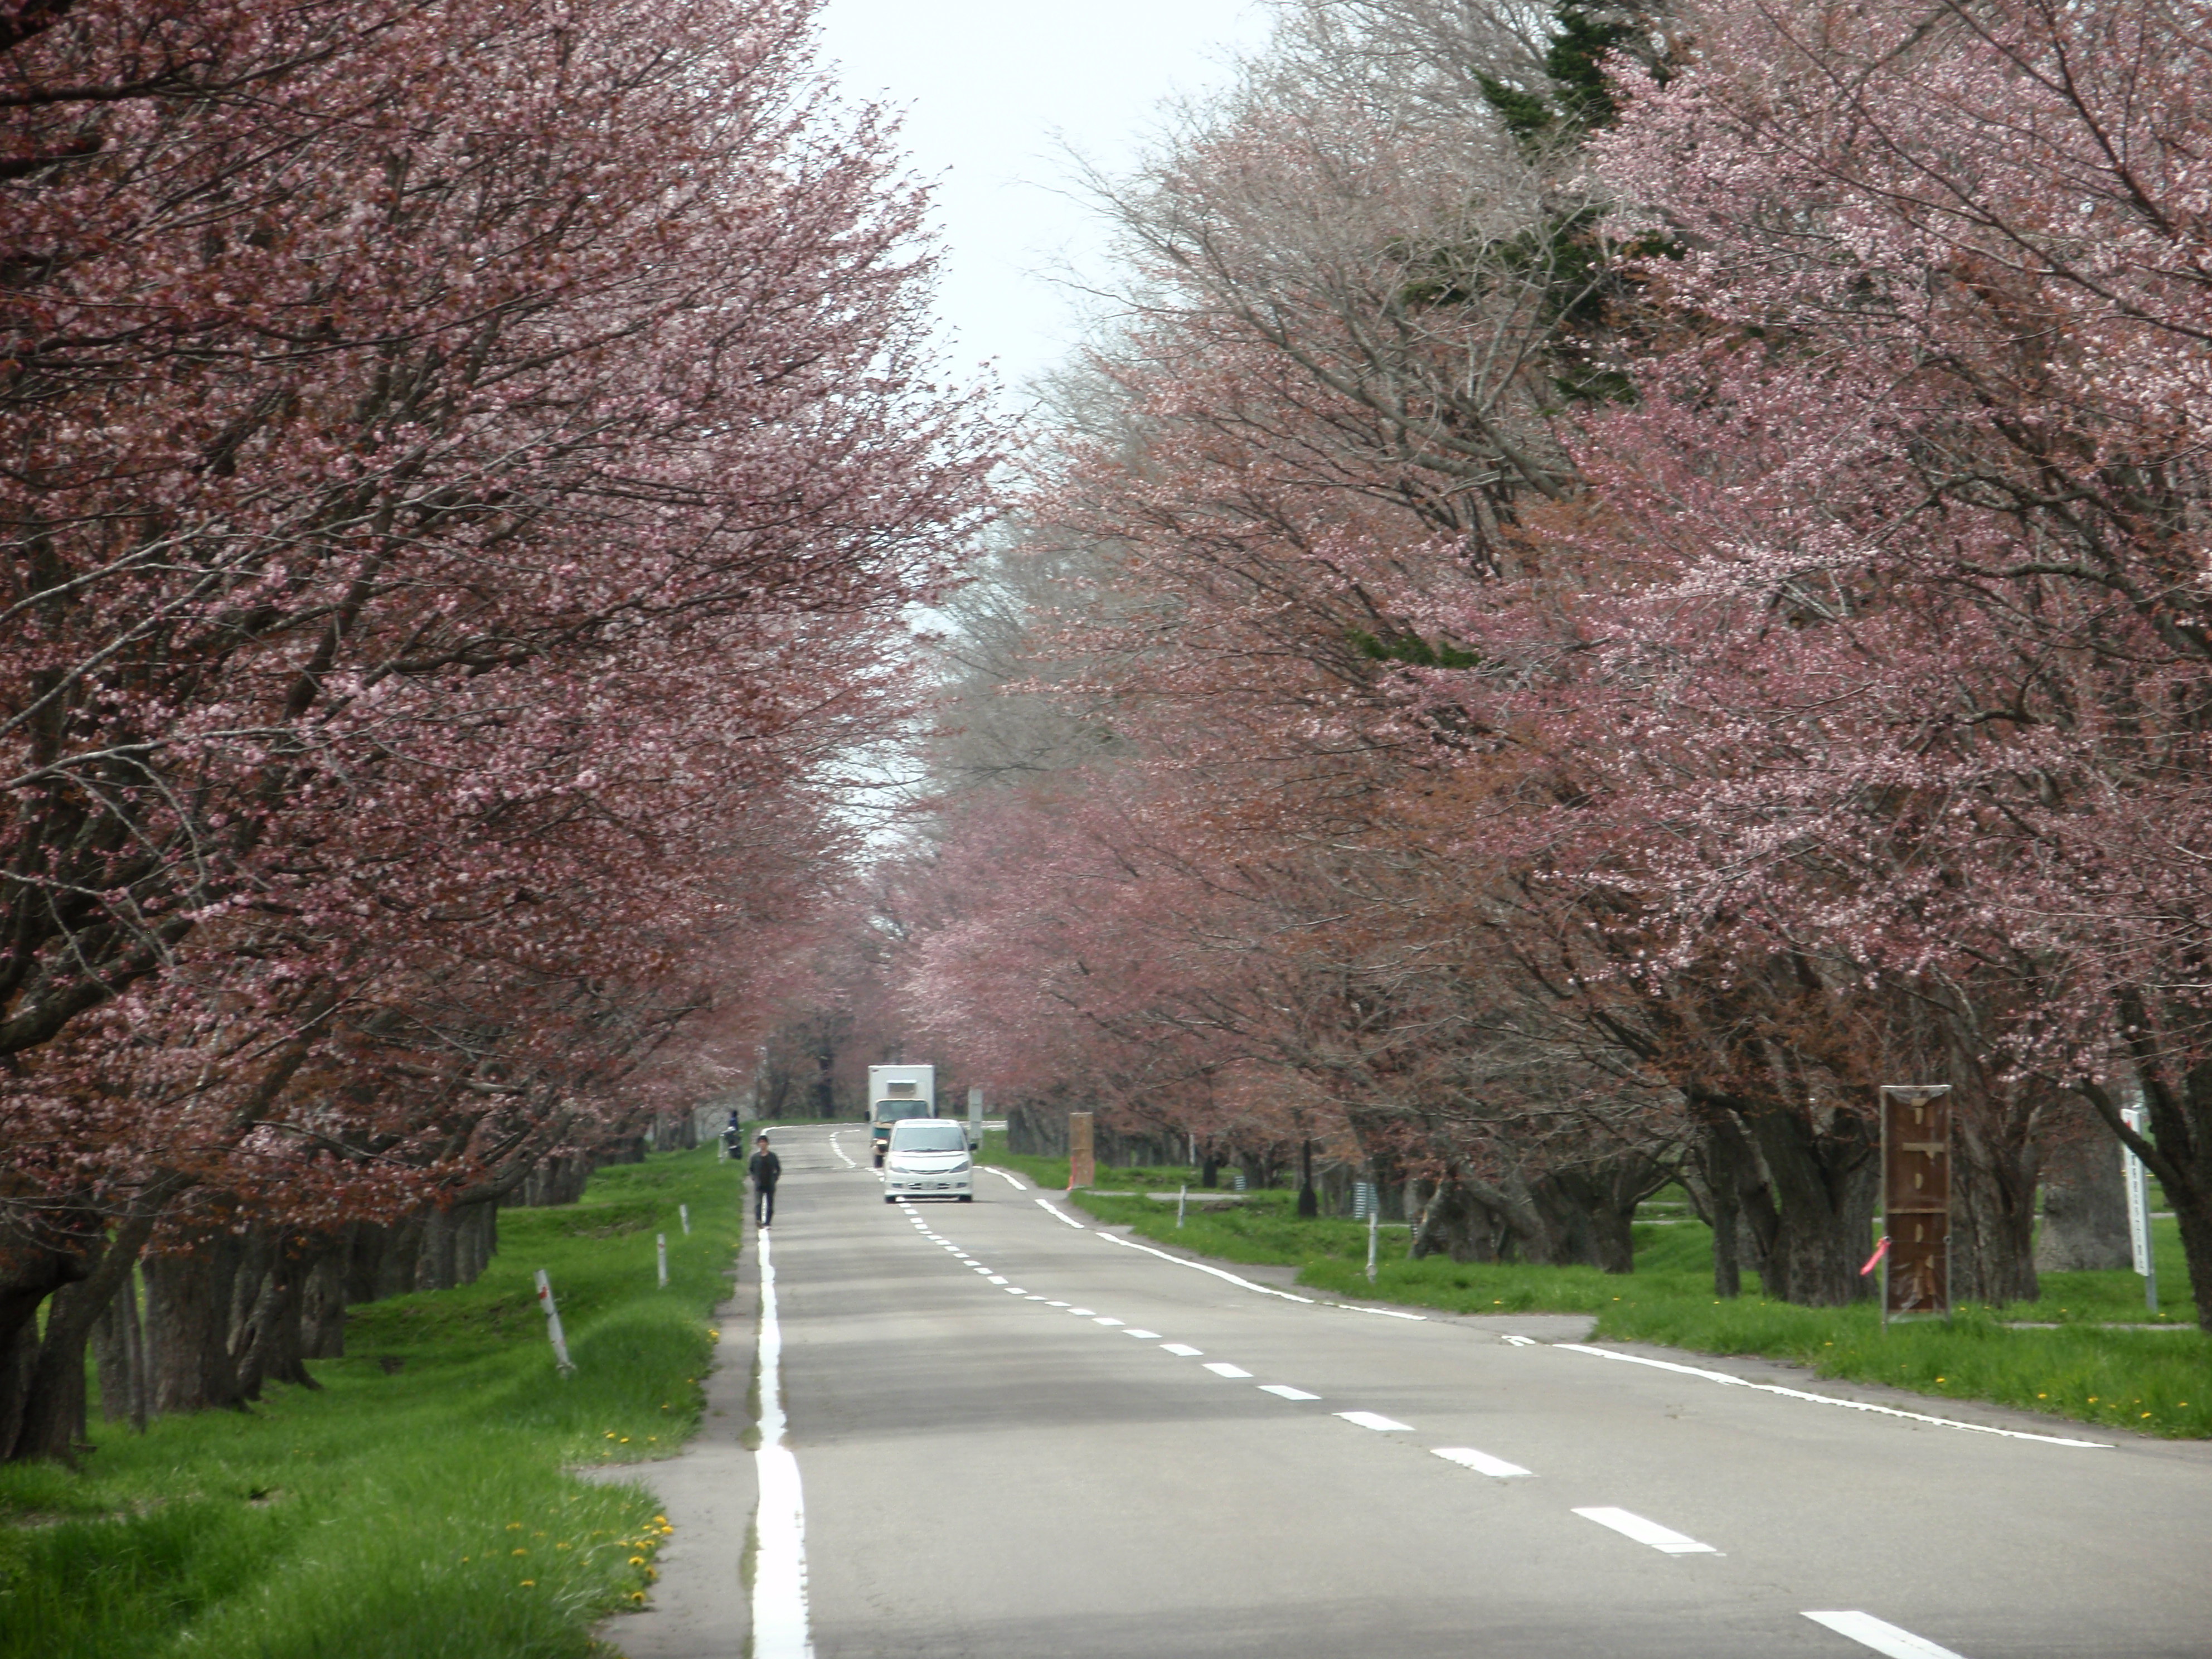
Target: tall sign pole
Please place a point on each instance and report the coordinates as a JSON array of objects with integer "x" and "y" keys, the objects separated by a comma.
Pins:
[
  {"x": 975, "y": 1116},
  {"x": 2137, "y": 1179},
  {"x": 1915, "y": 1201}
]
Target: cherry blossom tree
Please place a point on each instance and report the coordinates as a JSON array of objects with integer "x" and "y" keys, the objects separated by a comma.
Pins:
[{"x": 470, "y": 467}]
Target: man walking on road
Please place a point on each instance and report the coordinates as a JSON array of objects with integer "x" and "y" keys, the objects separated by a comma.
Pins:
[{"x": 765, "y": 1167}]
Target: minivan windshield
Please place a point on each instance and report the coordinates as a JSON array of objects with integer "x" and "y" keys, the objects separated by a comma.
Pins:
[
  {"x": 889, "y": 1111},
  {"x": 932, "y": 1135}
]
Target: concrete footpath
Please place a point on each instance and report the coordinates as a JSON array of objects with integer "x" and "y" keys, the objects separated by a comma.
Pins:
[{"x": 700, "y": 1609}]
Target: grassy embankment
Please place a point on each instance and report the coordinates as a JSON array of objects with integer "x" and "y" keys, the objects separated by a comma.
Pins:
[
  {"x": 2157, "y": 1382},
  {"x": 419, "y": 1506}
]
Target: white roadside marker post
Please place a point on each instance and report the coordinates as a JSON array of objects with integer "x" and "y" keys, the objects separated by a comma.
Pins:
[
  {"x": 1374, "y": 1224},
  {"x": 660, "y": 1242},
  {"x": 1181, "y": 1194},
  {"x": 2138, "y": 1185},
  {"x": 561, "y": 1360},
  {"x": 683, "y": 1215}
]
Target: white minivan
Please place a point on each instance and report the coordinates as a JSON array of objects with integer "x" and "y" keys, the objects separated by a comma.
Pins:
[{"x": 928, "y": 1158}]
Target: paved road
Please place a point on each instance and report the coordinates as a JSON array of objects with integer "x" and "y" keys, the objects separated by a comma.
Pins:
[{"x": 1018, "y": 1435}]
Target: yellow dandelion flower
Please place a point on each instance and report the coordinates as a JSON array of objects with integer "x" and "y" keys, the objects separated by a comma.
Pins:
[
  {"x": 530, "y": 1583},
  {"x": 637, "y": 1560},
  {"x": 517, "y": 1552}
]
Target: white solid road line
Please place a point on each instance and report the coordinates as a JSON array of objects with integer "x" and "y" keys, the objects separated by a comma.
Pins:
[
  {"x": 1182, "y": 1261},
  {"x": 1521, "y": 1341},
  {"x": 780, "y": 1621},
  {"x": 1222, "y": 1368},
  {"x": 1872, "y": 1633},
  {"x": 1285, "y": 1391},
  {"x": 1007, "y": 1175},
  {"x": 1480, "y": 1463},
  {"x": 1663, "y": 1539},
  {"x": 1387, "y": 1313},
  {"x": 1057, "y": 1214},
  {"x": 1376, "y": 1421},
  {"x": 1181, "y": 1349},
  {"x": 1828, "y": 1399},
  {"x": 839, "y": 1151}
]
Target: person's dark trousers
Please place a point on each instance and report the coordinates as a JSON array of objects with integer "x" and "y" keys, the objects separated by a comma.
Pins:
[{"x": 764, "y": 1204}]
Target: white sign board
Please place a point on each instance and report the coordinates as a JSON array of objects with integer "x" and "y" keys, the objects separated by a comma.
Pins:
[{"x": 2138, "y": 1185}]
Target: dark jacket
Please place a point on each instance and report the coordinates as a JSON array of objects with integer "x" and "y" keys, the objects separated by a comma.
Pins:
[{"x": 765, "y": 1167}]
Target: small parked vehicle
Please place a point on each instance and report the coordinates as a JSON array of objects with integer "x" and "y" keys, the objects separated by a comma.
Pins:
[{"x": 927, "y": 1158}]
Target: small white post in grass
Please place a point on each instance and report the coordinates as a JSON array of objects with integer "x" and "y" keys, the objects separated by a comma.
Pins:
[
  {"x": 561, "y": 1360},
  {"x": 1181, "y": 1193},
  {"x": 660, "y": 1242},
  {"x": 1374, "y": 1223},
  {"x": 683, "y": 1215}
]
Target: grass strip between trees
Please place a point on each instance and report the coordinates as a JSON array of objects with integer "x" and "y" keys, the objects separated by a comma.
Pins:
[
  {"x": 2154, "y": 1382},
  {"x": 423, "y": 1504}
]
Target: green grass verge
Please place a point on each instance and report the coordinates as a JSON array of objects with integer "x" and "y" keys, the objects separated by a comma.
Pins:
[
  {"x": 2156, "y": 1381},
  {"x": 426, "y": 1512}
]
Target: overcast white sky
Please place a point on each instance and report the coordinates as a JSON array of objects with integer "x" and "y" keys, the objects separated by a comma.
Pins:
[{"x": 989, "y": 88}]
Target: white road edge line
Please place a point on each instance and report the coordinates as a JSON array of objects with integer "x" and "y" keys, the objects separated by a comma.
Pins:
[
  {"x": 780, "y": 1619},
  {"x": 1058, "y": 1214},
  {"x": 1480, "y": 1463},
  {"x": 1387, "y": 1313},
  {"x": 1883, "y": 1637},
  {"x": 839, "y": 1151},
  {"x": 1665, "y": 1539},
  {"x": 1376, "y": 1421},
  {"x": 1181, "y": 1261},
  {"x": 1830, "y": 1399},
  {"x": 1006, "y": 1175}
]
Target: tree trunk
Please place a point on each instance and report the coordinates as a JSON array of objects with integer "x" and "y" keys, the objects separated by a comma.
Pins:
[
  {"x": 2085, "y": 1204},
  {"x": 1992, "y": 1223},
  {"x": 1308, "y": 1200},
  {"x": 112, "y": 1349},
  {"x": 188, "y": 1305},
  {"x": 1825, "y": 1186},
  {"x": 323, "y": 1297},
  {"x": 52, "y": 1422},
  {"x": 30, "y": 1271}
]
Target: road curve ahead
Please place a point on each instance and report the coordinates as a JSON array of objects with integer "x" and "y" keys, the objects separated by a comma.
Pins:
[{"x": 1021, "y": 1435}]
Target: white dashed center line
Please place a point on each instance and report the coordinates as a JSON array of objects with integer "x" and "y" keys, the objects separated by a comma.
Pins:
[
  {"x": 1869, "y": 1632},
  {"x": 1480, "y": 1463},
  {"x": 1376, "y": 1421},
  {"x": 1665, "y": 1539},
  {"x": 1285, "y": 1391},
  {"x": 998, "y": 1278},
  {"x": 1183, "y": 1349},
  {"x": 1222, "y": 1368},
  {"x": 1142, "y": 1336},
  {"x": 1103, "y": 1319},
  {"x": 1080, "y": 1313}
]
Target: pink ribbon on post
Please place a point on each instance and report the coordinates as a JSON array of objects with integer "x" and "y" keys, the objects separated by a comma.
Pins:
[{"x": 1875, "y": 1260}]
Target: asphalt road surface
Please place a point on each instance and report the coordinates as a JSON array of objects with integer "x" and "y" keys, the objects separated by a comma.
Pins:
[{"x": 1019, "y": 1434}]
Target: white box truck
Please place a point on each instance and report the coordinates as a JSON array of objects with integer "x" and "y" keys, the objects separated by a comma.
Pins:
[{"x": 896, "y": 1092}]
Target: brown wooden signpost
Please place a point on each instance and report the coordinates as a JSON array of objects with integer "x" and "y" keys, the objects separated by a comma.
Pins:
[
  {"x": 1915, "y": 1201},
  {"x": 1082, "y": 1167}
]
